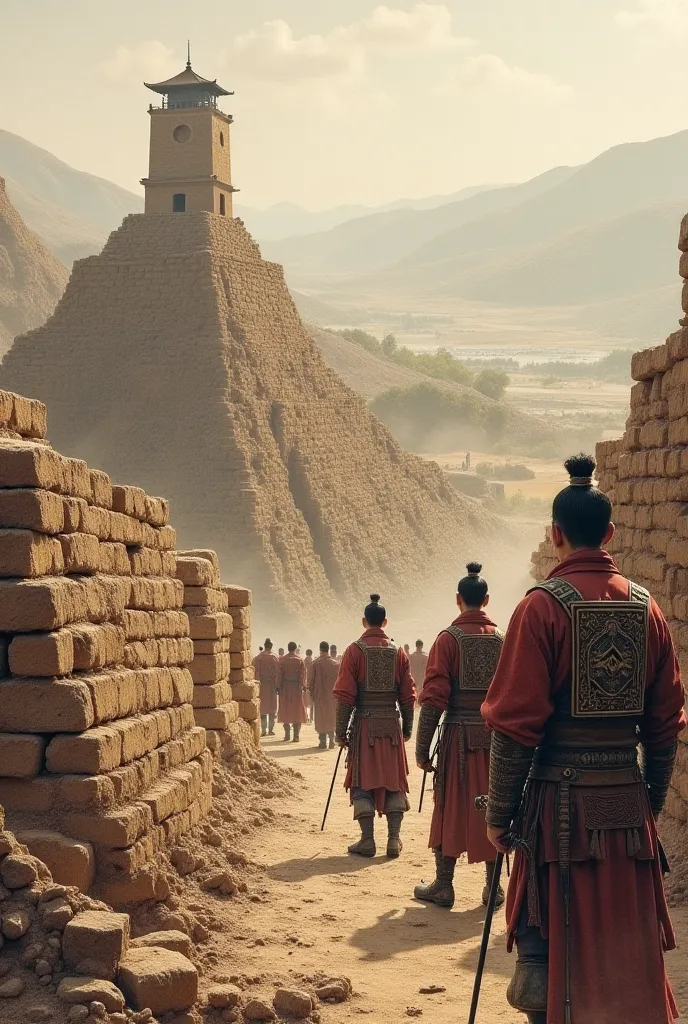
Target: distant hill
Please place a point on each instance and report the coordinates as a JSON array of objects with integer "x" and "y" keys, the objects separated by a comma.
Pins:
[
  {"x": 72, "y": 211},
  {"x": 32, "y": 279}
]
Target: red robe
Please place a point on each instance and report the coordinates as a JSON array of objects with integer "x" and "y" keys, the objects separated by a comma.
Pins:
[
  {"x": 323, "y": 677},
  {"x": 307, "y": 700},
  {"x": 620, "y": 925},
  {"x": 382, "y": 765},
  {"x": 456, "y": 825},
  {"x": 291, "y": 682},
  {"x": 265, "y": 666}
]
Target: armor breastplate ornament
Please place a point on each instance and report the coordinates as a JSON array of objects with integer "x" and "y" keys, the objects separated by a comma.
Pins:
[
  {"x": 478, "y": 657},
  {"x": 378, "y": 692}
]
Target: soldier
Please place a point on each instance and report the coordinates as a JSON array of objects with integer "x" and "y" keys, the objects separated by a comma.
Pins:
[
  {"x": 291, "y": 682},
  {"x": 323, "y": 677},
  {"x": 307, "y": 699},
  {"x": 265, "y": 667},
  {"x": 587, "y": 672},
  {"x": 280, "y": 652},
  {"x": 419, "y": 661},
  {"x": 374, "y": 681},
  {"x": 333, "y": 653},
  {"x": 462, "y": 663}
]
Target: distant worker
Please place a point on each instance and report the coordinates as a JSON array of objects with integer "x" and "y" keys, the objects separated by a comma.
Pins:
[
  {"x": 374, "y": 681},
  {"x": 265, "y": 666},
  {"x": 291, "y": 682},
  {"x": 333, "y": 653},
  {"x": 307, "y": 699},
  {"x": 407, "y": 650},
  {"x": 468, "y": 460},
  {"x": 419, "y": 662},
  {"x": 460, "y": 668},
  {"x": 323, "y": 677},
  {"x": 281, "y": 652}
]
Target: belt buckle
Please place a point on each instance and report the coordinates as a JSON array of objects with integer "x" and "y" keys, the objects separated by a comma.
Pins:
[{"x": 568, "y": 774}]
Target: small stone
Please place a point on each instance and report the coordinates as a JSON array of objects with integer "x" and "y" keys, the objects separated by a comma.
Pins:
[
  {"x": 45, "y": 980},
  {"x": 5, "y": 843},
  {"x": 166, "y": 939},
  {"x": 97, "y": 1010},
  {"x": 293, "y": 1002},
  {"x": 53, "y": 892},
  {"x": 414, "y": 1011},
  {"x": 32, "y": 954},
  {"x": 57, "y": 914},
  {"x": 91, "y": 990},
  {"x": 201, "y": 933},
  {"x": 38, "y": 1013},
  {"x": 54, "y": 942},
  {"x": 17, "y": 871},
  {"x": 161, "y": 979},
  {"x": 230, "y": 1014},
  {"x": 183, "y": 861},
  {"x": 5, "y": 967},
  {"x": 222, "y": 996},
  {"x": 256, "y": 1009},
  {"x": 118, "y": 1018},
  {"x": 334, "y": 992},
  {"x": 42, "y": 968},
  {"x": 432, "y": 990},
  {"x": 213, "y": 838},
  {"x": 12, "y": 988},
  {"x": 214, "y": 881},
  {"x": 15, "y": 923},
  {"x": 77, "y": 1014}
]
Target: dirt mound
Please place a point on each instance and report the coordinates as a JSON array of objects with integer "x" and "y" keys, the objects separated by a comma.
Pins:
[{"x": 31, "y": 278}]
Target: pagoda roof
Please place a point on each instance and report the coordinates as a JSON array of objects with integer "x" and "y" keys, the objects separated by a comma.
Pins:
[{"x": 185, "y": 80}]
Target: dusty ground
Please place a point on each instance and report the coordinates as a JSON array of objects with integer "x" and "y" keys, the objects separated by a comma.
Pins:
[{"x": 313, "y": 908}]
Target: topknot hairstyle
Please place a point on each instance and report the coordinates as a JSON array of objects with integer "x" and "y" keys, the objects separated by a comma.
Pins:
[
  {"x": 375, "y": 613},
  {"x": 473, "y": 588},
  {"x": 268, "y": 644},
  {"x": 581, "y": 511}
]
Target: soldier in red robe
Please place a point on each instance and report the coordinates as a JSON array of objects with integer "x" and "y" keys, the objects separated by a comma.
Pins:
[
  {"x": 462, "y": 663},
  {"x": 419, "y": 663},
  {"x": 373, "y": 686},
  {"x": 265, "y": 667},
  {"x": 307, "y": 699},
  {"x": 587, "y": 672},
  {"x": 323, "y": 677},
  {"x": 291, "y": 683}
]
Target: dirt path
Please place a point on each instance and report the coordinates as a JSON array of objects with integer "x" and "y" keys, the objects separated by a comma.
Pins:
[{"x": 320, "y": 909}]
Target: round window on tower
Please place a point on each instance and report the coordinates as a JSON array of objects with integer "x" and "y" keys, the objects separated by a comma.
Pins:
[
  {"x": 222, "y": 138},
  {"x": 182, "y": 133}
]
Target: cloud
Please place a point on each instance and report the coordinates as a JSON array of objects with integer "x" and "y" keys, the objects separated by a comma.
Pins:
[
  {"x": 486, "y": 72},
  {"x": 152, "y": 61},
  {"x": 273, "y": 53},
  {"x": 668, "y": 16}
]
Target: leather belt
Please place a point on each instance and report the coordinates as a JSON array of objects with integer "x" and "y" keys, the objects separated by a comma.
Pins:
[
  {"x": 586, "y": 776},
  {"x": 377, "y": 712}
]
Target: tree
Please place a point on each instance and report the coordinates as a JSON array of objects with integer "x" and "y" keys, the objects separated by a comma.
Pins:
[
  {"x": 492, "y": 382},
  {"x": 389, "y": 346}
]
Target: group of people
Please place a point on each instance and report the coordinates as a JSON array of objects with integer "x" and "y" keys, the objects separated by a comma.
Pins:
[
  {"x": 567, "y": 728},
  {"x": 295, "y": 690}
]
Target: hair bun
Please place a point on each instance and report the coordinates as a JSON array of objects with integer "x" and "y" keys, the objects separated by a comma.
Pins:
[
  {"x": 580, "y": 468},
  {"x": 374, "y": 598},
  {"x": 474, "y": 568}
]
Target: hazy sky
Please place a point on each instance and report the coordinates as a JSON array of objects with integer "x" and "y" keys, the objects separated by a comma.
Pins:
[{"x": 341, "y": 101}]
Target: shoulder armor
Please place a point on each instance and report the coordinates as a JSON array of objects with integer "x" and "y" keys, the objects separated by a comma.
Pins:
[{"x": 561, "y": 590}]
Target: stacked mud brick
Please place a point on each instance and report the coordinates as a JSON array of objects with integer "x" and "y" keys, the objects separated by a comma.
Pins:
[
  {"x": 224, "y": 690},
  {"x": 101, "y": 760}
]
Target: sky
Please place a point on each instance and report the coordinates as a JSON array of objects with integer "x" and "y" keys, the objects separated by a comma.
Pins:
[{"x": 351, "y": 101}]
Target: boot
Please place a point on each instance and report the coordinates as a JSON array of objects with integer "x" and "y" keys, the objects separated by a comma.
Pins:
[
  {"x": 271, "y": 725},
  {"x": 394, "y": 844},
  {"x": 331, "y": 739},
  {"x": 537, "y": 1018},
  {"x": 263, "y": 725},
  {"x": 323, "y": 741},
  {"x": 287, "y": 733},
  {"x": 489, "y": 872},
  {"x": 297, "y": 732},
  {"x": 441, "y": 891},
  {"x": 365, "y": 847}
]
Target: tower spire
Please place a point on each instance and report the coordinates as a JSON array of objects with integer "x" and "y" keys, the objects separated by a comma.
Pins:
[{"x": 188, "y": 53}]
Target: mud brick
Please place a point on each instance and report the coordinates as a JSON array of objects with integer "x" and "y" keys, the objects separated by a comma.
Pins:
[
  {"x": 244, "y": 691},
  {"x": 624, "y": 492},
  {"x": 101, "y": 489},
  {"x": 6, "y": 407},
  {"x": 241, "y": 617},
  {"x": 182, "y": 684},
  {"x": 117, "y": 828},
  {"x": 631, "y": 439},
  {"x": 114, "y": 559},
  {"x": 154, "y": 594},
  {"x": 206, "y": 597},
  {"x": 97, "y": 646},
  {"x": 678, "y": 402},
  {"x": 73, "y": 510},
  {"x": 241, "y": 675},
  {"x": 186, "y": 715},
  {"x": 81, "y": 553},
  {"x": 209, "y": 668},
  {"x": 156, "y": 511},
  {"x": 165, "y": 724},
  {"x": 29, "y": 554},
  {"x": 624, "y": 514},
  {"x": 240, "y": 660},
  {"x": 29, "y": 796},
  {"x": 42, "y": 654},
  {"x": 21, "y": 757},
  {"x": 643, "y": 491},
  {"x": 677, "y": 489},
  {"x": 162, "y": 537},
  {"x": 130, "y": 860},
  {"x": 661, "y": 491},
  {"x": 643, "y": 516},
  {"x": 681, "y": 522},
  {"x": 175, "y": 650},
  {"x": 240, "y": 597},
  {"x": 208, "y": 627},
  {"x": 92, "y": 752},
  {"x": 640, "y": 396},
  {"x": 31, "y": 509},
  {"x": 212, "y": 695},
  {"x": 240, "y": 640},
  {"x": 171, "y": 623},
  {"x": 165, "y": 798},
  {"x": 139, "y": 736},
  {"x": 129, "y": 500},
  {"x": 678, "y": 431},
  {"x": 23, "y": 464},
  {"x": 106, "y": 597},
  {"x": 679, "y": 607},
  {"x": 217, "y": 718},
  {"x": 35, "y": 705},
  {"x": 124, "y": 529},
  {"x": 94, "y": 521},
  {"x": 141, "y": 654},
  {"x": 114, "y": 693},
  {"x": 138, "y": 625},
  {"x": 676, "y": 581},
  {"x": 249, "y": 710},
  {"x": 677, "y": 552},
  {"x": 98, "y": 938},
  {"x": 220, "y": 646},
  {"x": 80, "y": 792},
  {"x": 653, "y": 568},
  {"x": 196, "y": 572},
  {"x": 658, "y": 541},
  {"x": 77, "y": 480}
]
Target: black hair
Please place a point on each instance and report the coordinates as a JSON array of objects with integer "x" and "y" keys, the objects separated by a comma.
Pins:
[
  {"x": 581, "y": 511},
  {"x": 333, "y": 647},
  {"x": 473, "y": 588},
  {"x": 268, "y": 644},
  {"x": 291, "y": 646},
  {"x": 308, "y": 652},
  {"x": 375, "y": 613},
  {"x": 324, "y": 646},
  {"x": 419, "y": 643}
]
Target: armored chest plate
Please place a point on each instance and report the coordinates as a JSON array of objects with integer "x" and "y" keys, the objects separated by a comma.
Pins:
[
  {"x": 381, "y": 664},
  {"x": 479, "y": 654}
]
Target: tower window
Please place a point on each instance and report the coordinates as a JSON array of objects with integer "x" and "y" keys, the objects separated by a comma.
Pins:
[
  {"x": 222, "y": 204},
  {"x": 222, "y": 138},
  {"x": 182, "y": 133},
  {"x": 179, "y": 203}
]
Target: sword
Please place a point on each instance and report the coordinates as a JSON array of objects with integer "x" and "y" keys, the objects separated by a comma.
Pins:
[
  {"x": 329, "y": 799},
  {"x": 427, "y": 771},
  {"x": 487, "y": 928}
]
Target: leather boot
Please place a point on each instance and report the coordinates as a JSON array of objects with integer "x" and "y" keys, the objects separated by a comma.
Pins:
[
  {"x": 441, "y": 891},
  {"x": 297, "y": 732},
  {"x": 331, "y": 739},
  {"x": 537, "y": 1018},
  {"x": 365, "y": 847},
  {"x": 323, "y": 741},
  {"x": 287, "y": 733},
  {"x": 394, "y": 844},
  {"x": 263, "y": 725},
  {"x": 271, "y": 725},
  {"x": 489, "y": 872}
]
